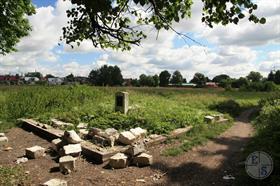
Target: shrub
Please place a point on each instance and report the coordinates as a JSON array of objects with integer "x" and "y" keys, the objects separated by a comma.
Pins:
[{"x": 229, "y": 106}]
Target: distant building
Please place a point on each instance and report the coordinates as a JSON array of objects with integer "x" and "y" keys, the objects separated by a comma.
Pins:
[
  {"x": 211, "y": 85},
  {"x": 191, "y": 85},
  {"x": 10, "y": 79},
  {"x": 55, "y": 81},
  {"x": 31, "y": 80},
  {"x": 127, "y": 82}
]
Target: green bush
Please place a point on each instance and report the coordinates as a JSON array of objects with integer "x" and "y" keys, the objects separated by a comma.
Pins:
[{"x": 229, "y": 106}]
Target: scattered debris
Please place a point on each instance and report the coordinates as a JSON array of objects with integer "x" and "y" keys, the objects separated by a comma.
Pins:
[
  {"x": 27, "y": 172},
  {"x": 57, "y": 144},
  {"x": 21, "y": 160},
  {"x": 138, "y": 132},
  {"x": 55, "y": 182},
  {"x": 126, "y": 138},
  {"x": 209, "y": 119},
  {"x": 118, "y": 161},
  {"x": 83, "y": 133},
  {"x": 94, "y": 131},
  {"x": 143, "y": 160},
  {"x": 72, "y": 137},
  {"x": 8, "y": 148},
  {"x": 72, "y": 149},
  {"x": 135, "y": 149},
  {"x": 229, "y": 177},
  {"x": 140, "y": 180},
  {"x": 67, "y": 164},
  {"x": 3, "y": 138},
  {"x": 35, "y": 152},
  {"x": 158, "y": 176}
]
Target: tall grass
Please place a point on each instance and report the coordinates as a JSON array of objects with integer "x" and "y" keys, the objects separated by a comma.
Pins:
[{"x": 157, "y": 109}]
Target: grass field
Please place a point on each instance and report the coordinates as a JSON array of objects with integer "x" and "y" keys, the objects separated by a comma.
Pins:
[{"x": 157, "y": 109}]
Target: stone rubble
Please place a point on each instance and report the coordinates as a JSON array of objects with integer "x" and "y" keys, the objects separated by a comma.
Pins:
[
  {"x": 138, "y": 132},
  {"x": 126, "y": 138},
  {"x": 209, "y": 119},
  {"x": 118, "y": 161},
  {"x": 35, "y": 152},
  {"x": 21, "y": 160},
  {"x": 72, "y": 150},
  {"x": 135, "y": 149},
  {"x": 57, "y": 144},
  {"x": 67, "y": 164},
  {"x": 4, "y": 139},
  {"x": 143, "y": 160},
  {"x": 72, "y": 137},
  {"x": 55, "y": 182}
]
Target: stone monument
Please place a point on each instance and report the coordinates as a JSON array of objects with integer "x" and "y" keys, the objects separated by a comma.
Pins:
[{"x": 121, "y": 102}]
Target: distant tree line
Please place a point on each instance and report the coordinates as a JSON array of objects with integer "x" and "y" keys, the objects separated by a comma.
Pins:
[{"x": 254, "y": 81}]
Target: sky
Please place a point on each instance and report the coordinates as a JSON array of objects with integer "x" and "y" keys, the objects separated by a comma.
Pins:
[{"x": 233, "y": 49}]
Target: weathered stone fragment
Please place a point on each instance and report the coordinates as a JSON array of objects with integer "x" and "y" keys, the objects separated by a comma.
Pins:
[
  {"x": 138, "y": 132},
  {"x": 126, "y": 138},
  {"x": 72, "y": 137},
  {"x": 135, "y": 149},
  {"x": 57, "y": 144},
  {"x": 118, "y": 161},
  {"x": 209, "y": 119},
  {"x": 35, "y": 152},
  {"x": 3, "y": 139},
  {"x": 67, "y": 164},
  {"x": 21, "y": 160},
  {"x": 72, "y": 150},
  {"x": 55, "y": 182},
  {"x": 2, "y": 135},
  {"x": 143, "y": 160},
  {"x": 94, "y": 131}
]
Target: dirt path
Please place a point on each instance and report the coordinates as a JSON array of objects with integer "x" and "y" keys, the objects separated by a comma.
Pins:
[{"x": 204, "y": 165}]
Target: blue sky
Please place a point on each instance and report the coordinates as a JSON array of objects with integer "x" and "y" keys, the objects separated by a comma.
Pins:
[{"x": 235, "y": 50}]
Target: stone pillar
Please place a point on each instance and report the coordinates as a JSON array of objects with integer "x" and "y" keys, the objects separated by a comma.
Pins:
[{"x": 121, "y": 102}]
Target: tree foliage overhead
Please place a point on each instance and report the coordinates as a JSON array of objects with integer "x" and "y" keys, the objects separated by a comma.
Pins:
[
  {"x": 115, "y": 24},
  {"x": 13, "y": 23}
]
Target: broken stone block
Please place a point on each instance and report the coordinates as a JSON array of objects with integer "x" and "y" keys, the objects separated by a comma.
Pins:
[
  {"x": 135, "y": 149},
  {"x": 218, "y": 117},
  {"x": 35, "y": 152},
  {"x": 67, "y": 164},
  {"x": 83, "y": 133},
  {"x": 118, "y": 161},
  {"x": 21, "y": 160},
  {"x": 102, "y": 141},
  {"x": 72, "y": 150},
  {"x": 126, "y": 138},
  {"x": 55, "y": 182},
  {"x": 60, "y": 124},
  {"x": 209, "y": 119},
  {"x": 57, "y": 144},
  {"x": 111, "y": 132},
  {"x": 3, "y": 139},
  {"x": 44, "y": 126},
  {"x": 94, "y": 131},
  {"x": 143, "y": 160},
  {"x": 82, "y": 126},
  {"x": 72, "y": 137},
  {"x": 138, "y": 132},
  {"x": 2, "y": 135}
]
